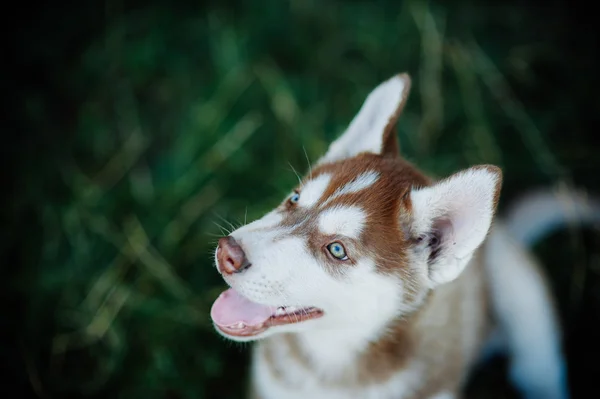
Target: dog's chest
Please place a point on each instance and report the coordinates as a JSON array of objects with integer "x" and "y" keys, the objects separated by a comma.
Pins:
[
  {"x": 281, "y": 370},
  {"x": 295, "y": 382}
]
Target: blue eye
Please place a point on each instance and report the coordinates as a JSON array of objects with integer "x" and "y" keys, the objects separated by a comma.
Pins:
[
  {"x": 294, "y": 198},
  {"x": 337, "y": 250}
]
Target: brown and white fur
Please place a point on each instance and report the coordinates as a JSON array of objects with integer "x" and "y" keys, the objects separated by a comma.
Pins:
[{"x": 427, "y": 282}]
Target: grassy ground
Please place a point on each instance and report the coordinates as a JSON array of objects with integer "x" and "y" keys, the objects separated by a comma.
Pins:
[{"x": 142, "y": 131}]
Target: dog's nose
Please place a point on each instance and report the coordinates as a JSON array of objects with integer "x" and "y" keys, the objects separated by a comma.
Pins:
[{"x": 230, "y": 256}]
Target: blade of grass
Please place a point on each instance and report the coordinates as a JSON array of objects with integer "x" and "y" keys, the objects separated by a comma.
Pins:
[
  {"x": 214, "y": 157},
  {"x": 154, "y": 263},
  {"x": 515, "y": 111},
  {"x": 430, "y": 74},
  {"x": 191, "y": 210},
  {"x": 479, "y": 129}
]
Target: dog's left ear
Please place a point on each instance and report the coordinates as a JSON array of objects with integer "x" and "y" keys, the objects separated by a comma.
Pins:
[
  {"x": 450, "y": 219},
  {"x": 373, "y": 129}
]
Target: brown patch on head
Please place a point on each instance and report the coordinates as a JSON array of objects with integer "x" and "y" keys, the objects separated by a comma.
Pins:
[{"x": 385, "y": 203}]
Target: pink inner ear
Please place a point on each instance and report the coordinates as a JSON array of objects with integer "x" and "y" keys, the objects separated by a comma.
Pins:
[
  {"x": 441, "y": 235},
  {"x": 443, "y": 228}
]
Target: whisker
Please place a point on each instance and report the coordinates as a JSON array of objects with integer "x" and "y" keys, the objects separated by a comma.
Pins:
[
  {"x": 307, "y": 161},
  {"x": 303, "y": 311},
  {"x": 226, "y": 221},
  {"x": 224, "y": 231},
  {"x": 297, "y": 175}
]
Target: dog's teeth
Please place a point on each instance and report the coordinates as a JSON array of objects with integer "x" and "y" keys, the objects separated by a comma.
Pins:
[
  {"x": 286, "y": 310},
  {"x": 280, "y": 311},
  {"x": 240, "y": 325}
]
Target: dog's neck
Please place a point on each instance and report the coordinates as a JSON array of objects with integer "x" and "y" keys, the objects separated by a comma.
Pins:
[
  {"x": 352, "y": 353},
  {"x": 335, "y": 348},
  {"x": 332, "y": 350}
]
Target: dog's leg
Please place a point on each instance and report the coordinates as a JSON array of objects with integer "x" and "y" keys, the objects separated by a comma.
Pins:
[{"x": 527, "y": 318}]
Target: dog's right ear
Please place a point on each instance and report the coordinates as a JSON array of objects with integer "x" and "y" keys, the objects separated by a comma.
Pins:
[{"x": 373, "y": 129}]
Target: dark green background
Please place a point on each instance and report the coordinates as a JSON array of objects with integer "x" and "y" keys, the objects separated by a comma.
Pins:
[{"x": 134, "y": 129}]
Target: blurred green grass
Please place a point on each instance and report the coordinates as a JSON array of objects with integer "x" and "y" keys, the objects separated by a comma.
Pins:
[{"x": 185, "y": 121}]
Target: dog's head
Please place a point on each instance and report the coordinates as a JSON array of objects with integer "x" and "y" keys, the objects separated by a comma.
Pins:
[{"x": 361, "y": 240}]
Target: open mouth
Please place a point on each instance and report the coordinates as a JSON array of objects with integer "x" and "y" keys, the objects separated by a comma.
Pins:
[{"x": 236, "y": 315}]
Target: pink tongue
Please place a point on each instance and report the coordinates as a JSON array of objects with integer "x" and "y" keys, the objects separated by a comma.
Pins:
[{"x": 231, "y": 308}]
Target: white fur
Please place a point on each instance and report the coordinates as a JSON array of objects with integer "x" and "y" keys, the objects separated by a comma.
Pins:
[
  {"x": 528, "y": 323},
  {"x": 357, "y": 316},
  {"x": 444, "y": 395},
  {"x": 466, "y": 201},
  {"x": 365, "y": 132},
  {"x": 285, "y": 273},
  {"x": 347, "y": 221},
  {"x": 541, "y": 212},
  {"x": 361, "y": 182},
  {"x": 401, "y": 385},
  {"x": 313, "y": 190},
  {"x": 269, "y": 220}
]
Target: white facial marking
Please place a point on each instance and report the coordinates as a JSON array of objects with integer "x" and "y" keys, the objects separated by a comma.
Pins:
[
  {"x": 344, "y": 220},
  {"x": 361, "y": 314},
  {"x": 270, "y": 220},
  {"x": 313, "y": 190},
  {"x": 360, "y": 183}
]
